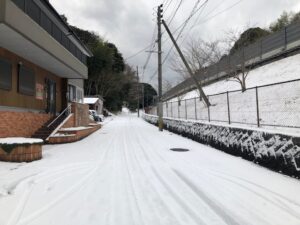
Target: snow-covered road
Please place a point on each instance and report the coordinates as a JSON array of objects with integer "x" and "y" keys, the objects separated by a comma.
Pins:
[{"x": 125, "y": 174}]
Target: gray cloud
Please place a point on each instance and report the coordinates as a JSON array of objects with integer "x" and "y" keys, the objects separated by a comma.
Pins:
[{"x": 129, "y": 24}]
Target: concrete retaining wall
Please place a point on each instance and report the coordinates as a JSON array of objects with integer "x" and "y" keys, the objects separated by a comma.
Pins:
[{"x": 275, "y": 151}]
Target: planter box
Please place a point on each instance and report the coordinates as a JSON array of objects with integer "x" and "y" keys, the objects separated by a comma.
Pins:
[
  {"x": 22, "y": 153},
  {"x": 73, "y": 135}
]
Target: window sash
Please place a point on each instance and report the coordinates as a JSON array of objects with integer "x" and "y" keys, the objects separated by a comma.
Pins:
[
  {"x": 26, "y": 82},
  {"x": 5, "y": 75}
]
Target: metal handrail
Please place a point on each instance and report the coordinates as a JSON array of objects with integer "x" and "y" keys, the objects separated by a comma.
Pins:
[{"x": 68, "y": 110}]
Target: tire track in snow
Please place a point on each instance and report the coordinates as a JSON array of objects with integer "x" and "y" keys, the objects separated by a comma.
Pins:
[
  {"x": 281, "y": 203},
  {"x": 31, "y": 182},
  {"x": 163, "y": 205},
  {"x": 129, "y": 174},
  {"x": 177, "y": 196},
  {"x": 16, "y": 217},
  {"x": 271, "y": 202},
  {"x": 226, "y": 216}
]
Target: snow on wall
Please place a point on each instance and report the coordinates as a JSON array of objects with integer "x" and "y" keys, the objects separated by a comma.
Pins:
[{"x": 275, "y": 151}]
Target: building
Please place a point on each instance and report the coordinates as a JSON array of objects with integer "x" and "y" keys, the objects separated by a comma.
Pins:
[
  {"x": 42, "y": 65},
  {"x": 95, "y": 103}
]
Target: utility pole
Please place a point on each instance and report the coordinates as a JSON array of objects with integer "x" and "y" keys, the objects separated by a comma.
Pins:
[
  {"x": 138, "y": 91},
  {"x": 160, "y": 108},
  {"x": 143, "y": 93},
  {"x": 187, "y": 65}
]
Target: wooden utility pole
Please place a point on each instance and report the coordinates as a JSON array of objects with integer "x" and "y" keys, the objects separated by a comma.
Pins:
[
  {"x": 143, "y": 93},
  {"x": 187, "y": 65},
  {"x": 138, "y": 91},
  {"x": 160, "y": 108}
]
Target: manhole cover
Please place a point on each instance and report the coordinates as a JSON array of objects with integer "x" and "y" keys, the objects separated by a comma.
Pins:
[{"x": 179, "y": 149}]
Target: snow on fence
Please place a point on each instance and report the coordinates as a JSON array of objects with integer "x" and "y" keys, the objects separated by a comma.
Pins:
[
  {"x": 266, "y": 48},
  {"x": 274, "y": 105}
]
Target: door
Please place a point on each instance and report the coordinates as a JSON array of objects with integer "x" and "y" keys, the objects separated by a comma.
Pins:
[{"x": 51, "y": 96}]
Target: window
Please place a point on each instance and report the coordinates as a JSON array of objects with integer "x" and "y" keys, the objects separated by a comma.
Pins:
[
  {"x": 84, "y": 59},
  {"x": 5, "y": 75},
  {"x": 65, "y": 41},
  {"x": 46, "y": 23},
  {"x": 26, "y": 81},
  {"x": 72, "y": 93},
  {"x": 72, "y": 48},
  {"x": 20, "y": 4},
  {"x": 78, "y": 54},
  {"x": 33, "y": 11},
  {"x": 56, "y": 33},
  {"x": 79, "y": 95}
]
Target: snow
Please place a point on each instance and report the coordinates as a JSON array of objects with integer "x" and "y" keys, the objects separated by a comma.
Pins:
[
  {"x": 62, "y": 135},
  {"x": 279, "y": 71},
  {"x": 125, "y": 110},
  {"x": 20, "y": 140},
  {"x": 279, "y": 105},
  {"x": 282, "y": 131},
  {"x": 74, "y": 128},
  {"x": 90, "y": 100},
  {"x": 125, "y": 174}
]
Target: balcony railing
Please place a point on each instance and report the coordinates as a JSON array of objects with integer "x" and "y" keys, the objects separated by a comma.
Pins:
[{"x": 40, "y": 17}]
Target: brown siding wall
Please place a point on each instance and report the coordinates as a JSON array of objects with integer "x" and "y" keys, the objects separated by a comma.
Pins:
[
  {"x": 21, "y": 124},
  {"x": 14, "y": 99}
]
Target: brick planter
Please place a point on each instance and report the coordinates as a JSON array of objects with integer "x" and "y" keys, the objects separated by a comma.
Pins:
[
  {"x": 73, "y": 135},
  {"x": 22, "y": 153}
]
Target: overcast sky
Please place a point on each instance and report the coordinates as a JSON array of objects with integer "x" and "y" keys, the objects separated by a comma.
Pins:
[{"x": 130, "y": 23}]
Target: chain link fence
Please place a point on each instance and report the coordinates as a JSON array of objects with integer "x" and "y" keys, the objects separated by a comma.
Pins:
[
  {"x": 275, "y": 105},
  {"x": 272, "y": 46}
]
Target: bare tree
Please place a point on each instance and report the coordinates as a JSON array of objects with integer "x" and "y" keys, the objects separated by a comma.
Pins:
[
  {"x": 167, "y": 85},
  {"x": 200, "y": 54},
  {"x": 235, "y": 43},
  {"x": 236, "y": 68}
]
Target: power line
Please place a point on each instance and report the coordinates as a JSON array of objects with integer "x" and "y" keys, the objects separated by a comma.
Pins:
[
  {"x": 174, "y": 14},
  {"x": 167, "y": 5},
  {"x": 193, "y": 12},
  {"x": 153, "y": 41},
  {"x": 226, "y": 9},
  {"x": 139, "y": 52},
  {"x": 182, "y": 26}
]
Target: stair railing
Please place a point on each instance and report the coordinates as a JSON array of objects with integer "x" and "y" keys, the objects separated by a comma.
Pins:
[{"x": 66, "y": 112}]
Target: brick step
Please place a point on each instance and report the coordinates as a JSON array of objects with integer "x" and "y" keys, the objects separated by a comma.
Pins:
[
  {"x": 42, "y": 134},
  {"x": 40, "y": 137},
  {"x": 45, "y": 131}
]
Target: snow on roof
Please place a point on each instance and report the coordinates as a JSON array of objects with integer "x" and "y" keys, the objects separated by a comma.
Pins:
[
  {"x": 90, "y": 100},
  {"x": 20, "y": 140}
]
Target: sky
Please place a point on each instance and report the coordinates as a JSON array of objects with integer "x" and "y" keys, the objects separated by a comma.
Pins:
[{"x": 130, "y": 25}]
